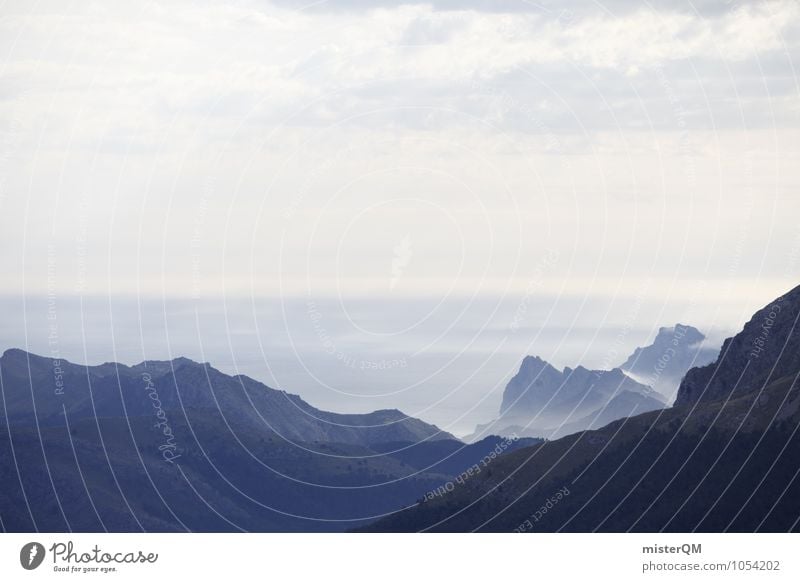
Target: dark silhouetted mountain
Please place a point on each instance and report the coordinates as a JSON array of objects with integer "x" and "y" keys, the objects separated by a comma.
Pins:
[
  {"x": 116, "y": 478},
  {"x": 159, "y": 455},
  {"x": 768, "y": 347},
  {"x": 450, "y": 457},
  {"x": 31, "y": 384},
  {"x": 726, "y": 458},
  {"x": 498, "y": 428},
  {"x": 108, "y": 474},
  {"x": 663, "y": 364}
]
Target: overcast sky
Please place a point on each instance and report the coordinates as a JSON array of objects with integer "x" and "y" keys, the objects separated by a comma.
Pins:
[{"x": 398, "y": 151}]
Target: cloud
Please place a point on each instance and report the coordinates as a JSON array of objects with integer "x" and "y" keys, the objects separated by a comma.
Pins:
[
  {"x": 549, "y": 7},
  {"x": 128, "y": 111},
  {"x": 217, "y": 69}
]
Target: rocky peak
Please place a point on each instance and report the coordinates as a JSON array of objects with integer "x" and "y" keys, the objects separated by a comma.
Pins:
[
  {"x": 767, "y": 348},
  {"x": 664, "y": 362}
]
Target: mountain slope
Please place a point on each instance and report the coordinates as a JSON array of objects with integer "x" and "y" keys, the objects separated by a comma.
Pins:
[
  {"x": 175, "y": 446},
  {"x": 624, "y": 404},
  {"x": 115, "y": 478},
  {"x": 768, "y": 347},
  {"x": 108, "y": 473},
  {"x": 39, "y": 390},
  {"x": 450, "y": 457},
  {"x": 725, "y": 459}
]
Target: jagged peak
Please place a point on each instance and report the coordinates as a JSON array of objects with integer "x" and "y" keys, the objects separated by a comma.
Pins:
[
  {"x": 686, "y": 331},
  {"x": 767, "y": 348},
  {"x": 536, "y": 363}
]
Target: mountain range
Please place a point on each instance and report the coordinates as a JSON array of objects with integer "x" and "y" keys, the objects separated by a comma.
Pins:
[
  {"x": 42, "y": 390},
  {"x": 178, "y": 445},
  {"x": 725, "y": 457},
  {"x": 542, "y": 401}
]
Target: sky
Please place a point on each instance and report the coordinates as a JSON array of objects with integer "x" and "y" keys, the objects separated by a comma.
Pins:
[{"x": 281, "y": 188}]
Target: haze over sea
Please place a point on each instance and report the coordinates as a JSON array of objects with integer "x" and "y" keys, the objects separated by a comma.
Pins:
[
  {"x": 445, "y": 185},
  {"x": 445, "y": 361}
]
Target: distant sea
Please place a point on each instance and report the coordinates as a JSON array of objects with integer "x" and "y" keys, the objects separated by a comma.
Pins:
[{"x": 443, "y": 360}]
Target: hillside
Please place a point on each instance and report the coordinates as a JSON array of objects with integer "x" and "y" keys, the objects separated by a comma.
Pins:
[
  {"x": 725, "y": 459},
  {"x": 39, "y": 390},
  {"x": 177, "y": 446}
]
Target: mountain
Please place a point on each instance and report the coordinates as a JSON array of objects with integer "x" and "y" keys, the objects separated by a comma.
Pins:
[
  {"x": 543, "y": 401},
  {"x": 546, "y": 396},
  {"x": 108, "y": 474},
  {"x": 498, "y": 428},
  {"x": 724, "y": 458},
  {"x": 451, "y": 457},
  {"x": 768, "y": 347},
  {"x": 40, "y": 391},
  {"x": 662, "y": 364},
  {"x": 177, "y": 446},
  {"x": 624, "y": 404}
]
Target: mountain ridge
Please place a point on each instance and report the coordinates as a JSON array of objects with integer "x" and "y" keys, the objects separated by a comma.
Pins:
[
  {"x": 181, "y": 385},
  {"x": 727, "y": 460},
  {"x": 746, "y": 366},
  {"x": 542, "y": 401}
]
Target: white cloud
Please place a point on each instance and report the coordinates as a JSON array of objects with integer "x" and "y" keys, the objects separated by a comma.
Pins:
[{"x": 120, "y": 116}]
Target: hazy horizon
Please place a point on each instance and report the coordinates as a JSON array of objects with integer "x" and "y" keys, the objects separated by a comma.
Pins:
[
  {"x": 456, "y": 385},
  {"x": 452, "y": 186}
]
